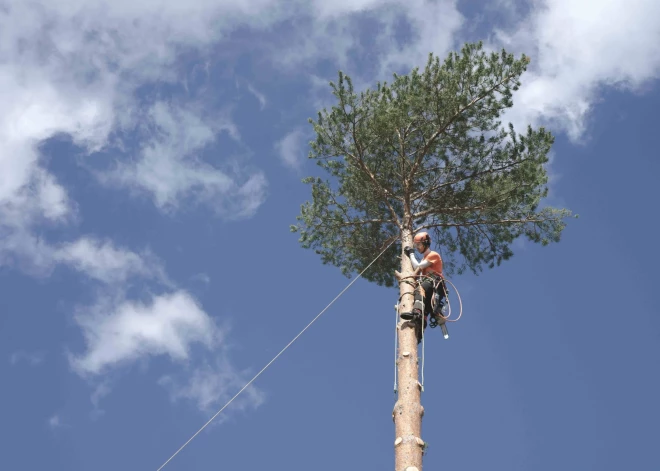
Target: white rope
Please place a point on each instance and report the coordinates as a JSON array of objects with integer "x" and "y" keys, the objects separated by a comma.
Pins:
[
  {"x": 396, "y": 343},
  {"x": 422, "y": 327},
  {"x": 276, "y": 357}
]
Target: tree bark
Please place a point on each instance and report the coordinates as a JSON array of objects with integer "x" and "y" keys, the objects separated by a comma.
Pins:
[{"x": 408, "y": 410}]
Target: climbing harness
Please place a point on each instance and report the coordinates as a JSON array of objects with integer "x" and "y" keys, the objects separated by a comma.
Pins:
[{"x": 277, "y": 356}]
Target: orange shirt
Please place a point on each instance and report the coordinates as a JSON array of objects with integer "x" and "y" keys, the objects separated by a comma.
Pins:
[{"x": 436, "y": 263}]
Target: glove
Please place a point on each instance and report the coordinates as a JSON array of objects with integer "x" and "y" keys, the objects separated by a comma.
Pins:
[{"x": 408, "y": 250}]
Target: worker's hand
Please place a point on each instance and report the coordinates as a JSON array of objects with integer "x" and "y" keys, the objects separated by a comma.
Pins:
[{"x": 408, "y": 250}]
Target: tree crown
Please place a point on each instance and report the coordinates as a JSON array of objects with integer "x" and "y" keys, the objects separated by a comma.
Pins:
[{"x": 428, "y": 151}]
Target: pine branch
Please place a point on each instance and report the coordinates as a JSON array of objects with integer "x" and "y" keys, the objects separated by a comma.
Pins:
[
  {"x": 489, "y": 222},
  {"x": 442, "y": 129}
]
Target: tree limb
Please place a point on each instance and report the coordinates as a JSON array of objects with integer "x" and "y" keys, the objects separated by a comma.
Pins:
[{"x": 484, "y": 223}]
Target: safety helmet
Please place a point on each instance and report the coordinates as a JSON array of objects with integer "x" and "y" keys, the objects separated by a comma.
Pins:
[{"x": 424, "y": 238}]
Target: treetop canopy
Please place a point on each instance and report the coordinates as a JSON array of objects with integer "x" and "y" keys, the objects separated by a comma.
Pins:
[{"x": 428, "y": 152}]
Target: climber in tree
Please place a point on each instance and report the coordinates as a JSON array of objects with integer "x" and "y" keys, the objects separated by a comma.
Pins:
[{"x": 430, "y": 282}]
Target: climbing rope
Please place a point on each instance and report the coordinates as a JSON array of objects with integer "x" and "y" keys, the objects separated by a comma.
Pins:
[
  {"x": 396, "y": 336},
  {"x": 276, "y": 356},
  {"x": 423, "y": 355},
  {"x": 396, "y": 343},
  {"x": 460, "y": 303}
]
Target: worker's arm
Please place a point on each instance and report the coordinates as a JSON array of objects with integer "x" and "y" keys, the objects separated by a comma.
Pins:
[
  {"x": 413, "y": 260},
  {"x": 416, "y": 264}
]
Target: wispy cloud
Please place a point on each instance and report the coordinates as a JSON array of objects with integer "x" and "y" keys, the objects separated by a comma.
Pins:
[
  {"x": 400, "y": 35},
  {"x": 103, "y": 261},
  {"x": 210, "y": 385},
  {"x": 31, "y": 358},
  {"x": 101, "y": 390},
  {"x": 119, "y": 334},
  {"x": 170, "y": 169},
  {"x": 100, "y": 260},
  {"x": 202, "y": 278},
  {"x": 258, "y": 95},
  {"x": 291, "y": 148},
  {"x": 55, "y": 422},
  {"x": 79, "y": 76}
]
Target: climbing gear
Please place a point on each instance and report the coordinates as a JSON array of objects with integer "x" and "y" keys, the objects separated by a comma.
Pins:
[
  {"x": 440, "y": 306},
  {"x": 396, "y": 344}
]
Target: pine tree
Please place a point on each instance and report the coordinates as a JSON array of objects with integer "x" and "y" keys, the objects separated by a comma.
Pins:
[{"x": 427, "y": 152}]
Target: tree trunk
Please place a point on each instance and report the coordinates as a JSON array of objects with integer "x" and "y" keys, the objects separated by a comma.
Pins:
[{"x": 408, "y": 410}]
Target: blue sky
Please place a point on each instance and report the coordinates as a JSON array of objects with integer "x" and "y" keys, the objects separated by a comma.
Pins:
[{"x": 150, "y": 167}]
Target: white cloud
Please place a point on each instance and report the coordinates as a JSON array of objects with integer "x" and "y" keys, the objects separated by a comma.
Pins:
[
  {"x": 434, "y": 26},
  {"x": 211, "y": 385},
  {"x": 170, "y": 169},
  {"x": 72, "y": 67},
  {"x": 101, "y": 390},
  {"x": 328, "y": 10},
  {"x": 577, "y": 49},
  {"x": 333, "y": 33},
  {"x": 118, "y": 334},
  {"x": 102, "y": 261},
  {"x": 28, "y": 194},
  {"x": 121, "y": 333},
  {"x": 291, "y": 148}
]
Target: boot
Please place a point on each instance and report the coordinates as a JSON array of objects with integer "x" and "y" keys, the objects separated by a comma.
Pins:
[
  {"x": 408, "y": 316},
  {"x": 416, "y": 313}
]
